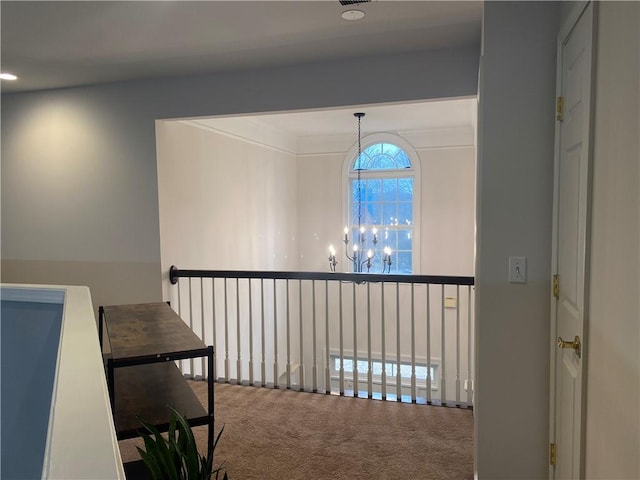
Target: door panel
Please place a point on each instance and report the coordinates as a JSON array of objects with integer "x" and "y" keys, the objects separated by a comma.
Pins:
[{"x": 571, "y": 207}]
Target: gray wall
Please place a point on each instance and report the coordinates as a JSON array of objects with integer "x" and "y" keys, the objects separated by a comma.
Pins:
[
  {"x": 515, "y": 194},
  {"x": 613, "y": 372},
  {"x": 79, "y": 183}
]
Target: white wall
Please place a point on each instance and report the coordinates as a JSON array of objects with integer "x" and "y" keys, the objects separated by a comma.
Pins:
[
  {"x": 225, "y": 203},
  {"x": 515, "y": 191},
  {"x": 448, "y": 210},
  {"x": 613, "y": 371}
]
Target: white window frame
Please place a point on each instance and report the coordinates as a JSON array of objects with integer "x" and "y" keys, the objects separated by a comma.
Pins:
[{"x": 414, "y": 171}]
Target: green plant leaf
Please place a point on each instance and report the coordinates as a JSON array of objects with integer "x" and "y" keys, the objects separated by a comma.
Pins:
[
  {"x": 177, "y": 457},
  {"x": 188, "y": 443},
  {"x": 151, "y": 463},
  {"x": 161, "y": 450},
  {"x": 210, "y": 453}
]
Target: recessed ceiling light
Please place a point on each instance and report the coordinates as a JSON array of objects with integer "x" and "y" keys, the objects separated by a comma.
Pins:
[
  {"x": 353, "y": 14},
  {"x": 7, "y": 76}
]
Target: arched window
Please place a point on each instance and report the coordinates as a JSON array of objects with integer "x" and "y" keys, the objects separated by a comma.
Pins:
[{"x": 382, "y": 189}]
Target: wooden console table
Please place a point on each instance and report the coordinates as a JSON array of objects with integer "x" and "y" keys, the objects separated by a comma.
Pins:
[{"x": 144, "y": 341}]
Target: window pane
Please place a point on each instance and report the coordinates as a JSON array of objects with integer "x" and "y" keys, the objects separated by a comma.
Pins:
[
  {"x": 389, "y": 213},
  {"x": 390, "y": 149},
  {"x": 373, "y": 150},
  {"x": 354, "y": 236},
  {"x": 354, "y": 190},
  {"x": 373, "y": 190},
  {"x": 405, "y": 213},
  {"x": 403, "y": 262},
  {"x": 382, "y": 162},
  {"x": 421, "y": 372},
  {"x": 405, "y": 370},
  {"x": 404, "y": 240},
  {"x": 361, "y": 162},
  {"x": 382, "y": 156},
  {"x": 405, "y": 189},
  {"x": 389, "y": 369},
  {"x": 373, "y": 215},
  {"x": 389, "y": 238},
  {"x": 336, "y": 363},
  {"x": 348, "y": 365},
  {"x": 390, "y": 189},
  {"x": 362, "y": 366},
  {"x": 376, "y": 264},
  {"x": 402, "y": 160}
]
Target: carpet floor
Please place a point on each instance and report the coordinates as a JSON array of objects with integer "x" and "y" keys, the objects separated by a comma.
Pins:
[{"x": 282, "y": 434}]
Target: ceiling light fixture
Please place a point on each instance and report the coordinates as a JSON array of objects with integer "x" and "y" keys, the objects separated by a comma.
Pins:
[
  {"x": 353, "y": 14},
  {"x": 7, "y": 76}
]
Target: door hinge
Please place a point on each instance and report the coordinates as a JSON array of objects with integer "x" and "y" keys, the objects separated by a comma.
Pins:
[
  {"x": 552, "y": 454},
  {"x": 560, "y": 109},
  {"x": 556, "y": 286}
]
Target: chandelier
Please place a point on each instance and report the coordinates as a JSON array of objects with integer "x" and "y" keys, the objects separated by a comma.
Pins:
[{"x": 364, "y": 243}]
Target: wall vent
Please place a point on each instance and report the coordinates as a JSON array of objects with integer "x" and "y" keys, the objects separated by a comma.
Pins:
[{"x": 344, "y": 3}]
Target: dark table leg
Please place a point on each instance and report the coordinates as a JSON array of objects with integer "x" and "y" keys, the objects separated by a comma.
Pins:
[{"x": 210, "y": 396}]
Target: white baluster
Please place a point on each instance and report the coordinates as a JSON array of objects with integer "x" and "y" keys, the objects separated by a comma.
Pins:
[
  {"x": 238, "y": 336},
  {"x": 249, "y": 286},
  {"x": 443, "y": 386},
  {"x": 458, "y": 345},
  {"x": 398, "y": 357},
  {"x": 355, "y": 344}
]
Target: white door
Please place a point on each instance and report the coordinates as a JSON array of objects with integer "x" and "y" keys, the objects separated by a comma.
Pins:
[{"x": 570, "y": 244}]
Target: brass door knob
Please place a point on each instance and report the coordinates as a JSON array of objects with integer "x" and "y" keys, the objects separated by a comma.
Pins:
[{"x": 575, "y": 344}]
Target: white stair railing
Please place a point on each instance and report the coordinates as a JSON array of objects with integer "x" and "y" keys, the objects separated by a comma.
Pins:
[{"x": 394, "y": 337}]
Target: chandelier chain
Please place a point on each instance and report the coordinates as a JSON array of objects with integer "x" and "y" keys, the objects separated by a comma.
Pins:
[{"x": 359, "y": 161}]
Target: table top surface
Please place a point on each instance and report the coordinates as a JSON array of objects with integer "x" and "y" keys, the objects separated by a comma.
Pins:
[{"x": 147, "y": 329}]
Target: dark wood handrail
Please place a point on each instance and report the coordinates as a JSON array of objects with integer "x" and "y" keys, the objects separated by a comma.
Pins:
[{"x": 175, "y": 273}]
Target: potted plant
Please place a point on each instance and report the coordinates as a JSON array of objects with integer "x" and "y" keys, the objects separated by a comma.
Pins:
[{"x": 176, "y": 457}]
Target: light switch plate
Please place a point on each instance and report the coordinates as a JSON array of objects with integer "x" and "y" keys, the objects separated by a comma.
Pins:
[{"x": 517, "y": 269}]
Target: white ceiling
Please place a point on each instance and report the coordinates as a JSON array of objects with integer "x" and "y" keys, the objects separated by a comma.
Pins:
[
  {"x": 58, "y": 44},
  {"x": 405, "y": 117}
]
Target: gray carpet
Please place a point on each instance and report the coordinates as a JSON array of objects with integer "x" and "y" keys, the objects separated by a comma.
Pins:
[{"x": 281, "y": 434}]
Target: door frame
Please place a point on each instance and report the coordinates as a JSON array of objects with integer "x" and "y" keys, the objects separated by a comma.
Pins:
[{"x": 564, "y": 33}]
